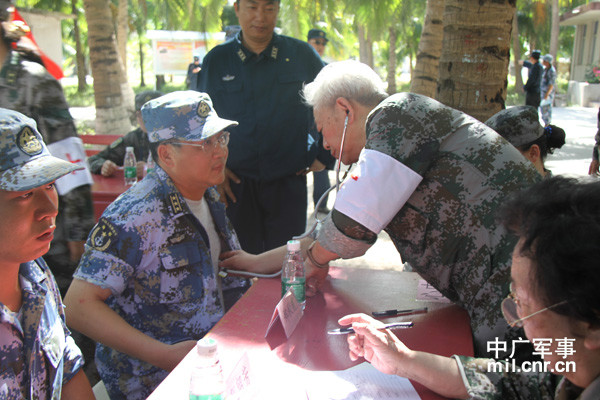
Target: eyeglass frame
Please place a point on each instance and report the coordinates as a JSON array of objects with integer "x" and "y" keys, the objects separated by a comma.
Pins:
[
  {"x": 519, "y": 321},
  {"x": 320, "y": 42},
  {"x": 205, "y": 145}
]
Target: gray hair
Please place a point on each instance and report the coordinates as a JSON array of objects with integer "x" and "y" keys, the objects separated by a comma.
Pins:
[{"x": 350, "y": 79}]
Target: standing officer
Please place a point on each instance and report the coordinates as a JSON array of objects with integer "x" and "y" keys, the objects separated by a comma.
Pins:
[{"x": 256, "y": 79}]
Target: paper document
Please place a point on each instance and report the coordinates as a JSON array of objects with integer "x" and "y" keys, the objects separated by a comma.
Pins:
[{"x": 362, "y": 382}]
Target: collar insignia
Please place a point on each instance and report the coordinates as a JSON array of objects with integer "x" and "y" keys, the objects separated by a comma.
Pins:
[
  {"x": 175, "y": 203},
  {"x": 274, "y": 51},
  {"x": 241, "y": 55}
]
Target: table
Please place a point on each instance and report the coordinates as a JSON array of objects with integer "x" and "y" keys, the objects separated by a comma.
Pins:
[
  {"x": 443, "y": 330},
  {"x": 105, "y": 190}
]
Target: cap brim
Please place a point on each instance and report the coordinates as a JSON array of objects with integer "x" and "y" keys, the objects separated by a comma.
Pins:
[
  {"x": 35, "y": 173},
  {"x": 210, "y": 128}
]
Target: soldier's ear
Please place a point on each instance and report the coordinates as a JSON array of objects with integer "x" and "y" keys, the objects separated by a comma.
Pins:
[{"x": 165, "y": 154}]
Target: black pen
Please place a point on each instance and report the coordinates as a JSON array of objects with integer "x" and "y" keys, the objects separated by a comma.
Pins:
[
  {"x": 396, "y": 313},
  {"x": 348, "y": 329}
]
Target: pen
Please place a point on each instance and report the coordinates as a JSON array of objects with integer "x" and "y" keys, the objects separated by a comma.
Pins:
[
  {"x": 348, "y": 329},
  {"x": 395, "y": 313}
]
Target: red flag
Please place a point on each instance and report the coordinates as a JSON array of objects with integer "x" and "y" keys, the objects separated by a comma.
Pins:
[{"x": 50, "y": 65}]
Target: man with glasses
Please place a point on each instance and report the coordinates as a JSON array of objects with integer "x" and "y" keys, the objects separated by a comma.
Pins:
[{"x": 147, "y": 286}]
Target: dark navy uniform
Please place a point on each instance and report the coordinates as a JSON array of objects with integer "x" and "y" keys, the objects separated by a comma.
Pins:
[{"x": 273, "y": 140}]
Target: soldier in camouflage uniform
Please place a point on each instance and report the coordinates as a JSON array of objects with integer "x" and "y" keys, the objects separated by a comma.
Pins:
[
  {"x": 38, "y": 357},
  {"x": 520, "y": 125},
  {"x": 555, "y": 280},
  {"x": 147, "y": 286},
  {"x": 434, "y": 178},
  {"x": 107, "y": 160},
  {"x": 27, "y": 87}
]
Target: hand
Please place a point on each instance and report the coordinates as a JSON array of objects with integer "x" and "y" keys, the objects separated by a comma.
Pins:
[
  {"x": 174, "y": 353},
  {"x": 594, "y": 167},
  {"x": 315, "y": 277},
  {"x": 238, "y": 259},
  {"x": 196, "y": 70},
  {"x": 521, "y": 62},
  {"x": 224, "y": 188},
  {"x": 379, "y": 347},
  {"x": 315, "y": 166},
  {"x": 139, "y": 169},
  {"x": 108, "y": 168}
]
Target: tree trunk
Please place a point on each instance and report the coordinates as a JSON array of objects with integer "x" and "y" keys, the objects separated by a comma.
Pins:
[
  {"x": 475, "y": 55},
  {"x": 112, "y": 93},
  {"x": 554, "y": 30},
  {"x": 516, "y": 46},
  {"x": 426, "y": 73},
  {"x": 142, "y": 82},
  {"x": 79, "y": 56},
  {"x": 123, "y": 32},
  {"x": 365, "y": 46},
  {"x": 391, "y": 67}
]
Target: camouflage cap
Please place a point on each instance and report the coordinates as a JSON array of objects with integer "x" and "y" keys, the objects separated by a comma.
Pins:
[
  {"x": 25, "y": 162},
  {"x": 519, "y": 125},
  {"x": 185, "y": 115},
  {"x": 144, "y": 97}
]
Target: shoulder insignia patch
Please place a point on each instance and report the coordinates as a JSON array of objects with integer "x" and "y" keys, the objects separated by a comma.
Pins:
[
  {"x": 103, "y": 235},
  {"x": 116, "y": 143}
]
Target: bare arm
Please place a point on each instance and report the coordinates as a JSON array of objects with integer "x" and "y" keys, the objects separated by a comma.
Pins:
[
  {"x": 77, "y": 388},
  {"x": 88, "y": 313},
  {"x": 389, "y": 355},
  {"x": 265, "y": 263}
]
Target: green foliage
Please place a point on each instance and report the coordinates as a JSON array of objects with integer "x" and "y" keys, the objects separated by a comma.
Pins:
[
  {"x": 592, "y": 74},
  {"x": 76, "y": 99}
]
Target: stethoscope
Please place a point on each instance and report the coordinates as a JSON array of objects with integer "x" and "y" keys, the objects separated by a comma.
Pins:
[{"x": 225, "y": 272}]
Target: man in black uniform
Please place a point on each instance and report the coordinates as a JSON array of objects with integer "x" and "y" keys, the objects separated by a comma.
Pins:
[{"x": 534, "y": 80}]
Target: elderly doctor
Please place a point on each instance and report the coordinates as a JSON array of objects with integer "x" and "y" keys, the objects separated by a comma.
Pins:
[{"x": 430, "y": 176}]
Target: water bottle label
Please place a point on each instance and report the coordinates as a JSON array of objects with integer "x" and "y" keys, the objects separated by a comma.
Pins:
[
  {"x": 130, "y": 172},
  {"x": 297, "y": 288},
  {"x": 206, "y": 396}
]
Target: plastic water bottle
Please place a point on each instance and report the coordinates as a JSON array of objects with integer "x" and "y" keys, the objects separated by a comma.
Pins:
[
  {"x": 206, "y": 382},
  {"x": 150, "y": 165},
  {"x": 292, "y": 275},
  {"x": 129, "y": 167}
]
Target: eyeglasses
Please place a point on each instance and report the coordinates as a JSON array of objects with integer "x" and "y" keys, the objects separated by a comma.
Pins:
[
  {"x": 320, "y": 42},
  {"x": 509, "y": 310},
  {"x": 208, "y": 145}
]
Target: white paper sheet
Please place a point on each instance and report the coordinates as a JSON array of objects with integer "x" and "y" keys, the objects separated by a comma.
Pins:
[{"x": 362, "y": 382}]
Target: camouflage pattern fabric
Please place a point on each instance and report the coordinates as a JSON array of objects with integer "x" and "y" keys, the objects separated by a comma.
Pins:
[
  {"x": 548, "y": 78},
  {"x": 485, "y": 385},
  {"x": 37, "y": 353},
  {"x": 447, "y": 229},
  {"x": 148, "y": 249},
  {"x": 115, "y": 152},
  {"x": 27, "y": 87}
]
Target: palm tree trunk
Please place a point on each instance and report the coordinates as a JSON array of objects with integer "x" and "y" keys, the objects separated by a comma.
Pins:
[
  {"x": 475, "y": 55},
  {"x": 391, "y": 67},
  {"x": 112, "y": 93},
  {"x": 426, "y": 73},
  {"x": 123, "y": 32},
  {"x": 516, "y": 47},
  {"x": 79, "y": 56}
]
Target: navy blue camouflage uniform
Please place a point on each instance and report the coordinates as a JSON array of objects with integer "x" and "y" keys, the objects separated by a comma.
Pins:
[{"x": 152, "y": 253}]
